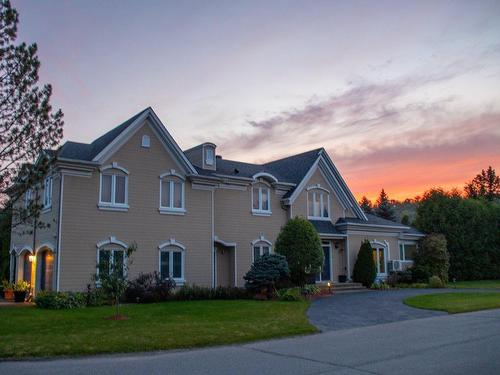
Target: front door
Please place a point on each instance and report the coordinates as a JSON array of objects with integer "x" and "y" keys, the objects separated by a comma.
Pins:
[
  {"x": 326, "y": 272},
  {"x": 225, "y": 266},
  {"x": 46, "y": 270},
  {"x": 380, "y": 259}
]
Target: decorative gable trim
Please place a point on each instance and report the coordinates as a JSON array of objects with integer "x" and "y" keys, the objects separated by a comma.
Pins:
[{"x": 158, "y": 128}]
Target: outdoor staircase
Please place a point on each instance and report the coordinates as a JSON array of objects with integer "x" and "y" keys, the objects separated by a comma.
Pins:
[{"x": 344, "y": 287}]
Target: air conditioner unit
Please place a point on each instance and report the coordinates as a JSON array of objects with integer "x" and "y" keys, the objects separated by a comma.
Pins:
[{"x": 395, "y": 265}]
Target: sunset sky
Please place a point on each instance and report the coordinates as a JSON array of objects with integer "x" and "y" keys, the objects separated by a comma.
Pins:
[{"x": 403, "y": 95}]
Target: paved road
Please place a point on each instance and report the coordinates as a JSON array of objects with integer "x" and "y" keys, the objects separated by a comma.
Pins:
[
  {"x": 368, "y": 308},
  {"x": 448, "y": 344}
]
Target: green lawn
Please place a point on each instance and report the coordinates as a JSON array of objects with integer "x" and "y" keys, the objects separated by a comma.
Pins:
[
  {"x": 456, "y": 302},
  {"x": 480, "y": 284},
  {"x": 33, "y": 332}
]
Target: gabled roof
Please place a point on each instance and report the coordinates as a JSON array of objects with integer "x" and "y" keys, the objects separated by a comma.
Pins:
[{"x": 88, "y": 151}]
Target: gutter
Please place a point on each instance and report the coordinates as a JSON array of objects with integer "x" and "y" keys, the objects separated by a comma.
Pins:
[{"x": 59, "y": 226}]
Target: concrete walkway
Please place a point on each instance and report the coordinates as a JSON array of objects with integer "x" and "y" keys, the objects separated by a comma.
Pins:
[{"x": 449, "y": 344}]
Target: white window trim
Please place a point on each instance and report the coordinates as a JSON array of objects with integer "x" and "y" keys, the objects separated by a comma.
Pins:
[
  {"x": 47, "y": 194},
  {"x": 330, "y": 251},
  {"x": 259, "y": 243},
  {"x": 125, "y": 260},
  {"x": 313, "y": 194},
  {"x": 112, "y": 206},
  {"x": 146, "y": 141},
  {"x": 111, "y": 240},
  {"x": 259, "y": 211},
  {"x": 404, "y": 260},
  {"x": 171, "y": 210},
  {"x": 385, "y": 246},
  {"x": 209, "y": 156},
  {"x": 164, "y": 248},
  {"x": 28, "y": 197}
]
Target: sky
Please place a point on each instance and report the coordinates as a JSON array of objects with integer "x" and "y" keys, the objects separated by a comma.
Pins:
[{"x": 404, "y": 95}]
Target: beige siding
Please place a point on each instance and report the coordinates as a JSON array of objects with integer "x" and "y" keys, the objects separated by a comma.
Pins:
[
  {"x": 234, "y": 222},
  {"x": 84, "y": 224},
  {"x": 300, "y": 205}
]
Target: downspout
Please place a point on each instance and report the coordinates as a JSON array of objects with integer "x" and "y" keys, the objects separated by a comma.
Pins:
[
  {"x": 59, "y": 225},
  {"x": 213, "y": 238},
  {"x": 348, "y": 258}
]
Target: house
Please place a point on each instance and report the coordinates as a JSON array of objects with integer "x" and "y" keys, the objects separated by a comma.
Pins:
[{"x": 194, "y": 215}]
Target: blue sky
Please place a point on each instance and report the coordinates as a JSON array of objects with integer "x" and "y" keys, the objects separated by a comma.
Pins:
[{"x": 403, "y": 95}]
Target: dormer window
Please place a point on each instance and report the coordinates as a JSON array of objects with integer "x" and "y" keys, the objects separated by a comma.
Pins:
[
  {"x": 261, "y": 199},
  {"x": 209, "y": 156},
  {"x": 146, "y": 141}
]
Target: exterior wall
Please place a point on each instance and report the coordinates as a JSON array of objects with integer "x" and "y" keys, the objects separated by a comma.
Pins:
[
  {"x": 234, "y": 222},
  {"x": 84, "y": 224},
  {"x": 355, "y": 238},
  {"x": 46, "y": 236},
  {"x": 299, "y": 207}
]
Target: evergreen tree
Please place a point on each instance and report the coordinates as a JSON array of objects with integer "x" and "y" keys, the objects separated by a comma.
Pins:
[
  {"x": 384, "y": 207},
  {"x": 485, "y": 185},
  {"x": 365, "y": 270},
  {"x": 366, "y": 205}
]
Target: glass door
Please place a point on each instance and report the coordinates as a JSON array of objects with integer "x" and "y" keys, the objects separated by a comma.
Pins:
[
  {"x": 326, "y": 272},
  {"x": 379, "y": 259}
]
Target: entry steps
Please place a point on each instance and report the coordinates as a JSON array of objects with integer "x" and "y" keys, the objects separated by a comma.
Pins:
[{"x": 343, "y": 287}]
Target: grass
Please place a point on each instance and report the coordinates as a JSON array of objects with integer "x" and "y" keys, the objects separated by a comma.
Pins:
[
  {"x": 456, "y": 302},
  {"x": 480, "y": 284},
  {"x": 33, "y": 332}
]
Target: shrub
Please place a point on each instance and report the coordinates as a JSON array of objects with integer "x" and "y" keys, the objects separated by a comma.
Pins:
[
  {"x": 149, "y": 287},
  {"x": 380, "y": 286},
  {"x": 21, "y": 286},
  {"x": 95, "y": 296},
  {"x": 290, "y": 294},
  {"x": 311, "y": 290},
  {"x": 435, "y": 282},
  {"x": 267, "y": 272},
  {"x": 299, "y": 242},
  {"x": 365, "y": 270},
  {"x": 399, "y": 277},
  {"x": 59, "y": 300},
  {"x": 431, "y": 259},
  {"x": 195, "y": 292}
]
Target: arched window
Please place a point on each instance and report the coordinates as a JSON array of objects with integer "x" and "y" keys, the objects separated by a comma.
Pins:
[
  {"x": 172, "y": 193},
  {"x": 111, "y": 255},
  {"x": 260, "y": 247},
  {"x": 172, "y": 259},
  {"x": 113, "y": 192},
  {"x": 318, "y": 203},
  {"x": 261, "y": 199},
  {"x": 26, "y": 267}
]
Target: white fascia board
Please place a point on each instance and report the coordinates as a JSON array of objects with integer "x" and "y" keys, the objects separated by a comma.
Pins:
[{"x": 302, "y": 183}]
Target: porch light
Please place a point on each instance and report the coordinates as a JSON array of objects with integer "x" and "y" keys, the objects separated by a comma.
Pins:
[
  {"x": 31, "y": 258},
  {"x": 329, "y": 285}
]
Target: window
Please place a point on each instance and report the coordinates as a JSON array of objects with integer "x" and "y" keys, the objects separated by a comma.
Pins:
[
  {"x": 172, "y": 263},
  {"x": 172, "y": 193},
  {"x": 47, "y": 193},
  {"x": 407, "y": 251},
  {"x": 261, "y": 247},
  {"x": 110, "y": 260},
  {"x": 261, "y": 202},
  {"x": 28, "y": 197},
  {"x": 114, "y": 188},
  {"x": 209, "y": 156},
  {"x": 146, "y": 141},
  {"x": 318, "y": 202}
]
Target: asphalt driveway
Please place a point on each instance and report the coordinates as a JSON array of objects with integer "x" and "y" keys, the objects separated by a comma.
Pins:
[{"x": 362, "y": 309}]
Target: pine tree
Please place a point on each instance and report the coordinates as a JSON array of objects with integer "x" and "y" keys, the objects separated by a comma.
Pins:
[
  {"x": 365, "y": 270},
  {"x": 384, "y": 207},
  {"x": 366, "y": 205},
  {"x": 485, "y": 185}
]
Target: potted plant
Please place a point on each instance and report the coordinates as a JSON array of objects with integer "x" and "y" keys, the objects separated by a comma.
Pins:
[
  {"x": 8, "y": 291},
  {"x": 21, "y": 288}
]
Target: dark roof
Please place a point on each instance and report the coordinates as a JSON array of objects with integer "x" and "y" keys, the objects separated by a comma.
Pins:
[
  {"x": 325, "y": 227},
  {"x": 291, "y": 169},
  {"x": 375, "y": 220},
  {"x": 87, "y": 151}
]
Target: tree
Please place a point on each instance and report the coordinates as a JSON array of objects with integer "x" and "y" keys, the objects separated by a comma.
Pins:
[
  {"x": 432, "y": 259},
  {"x": 405, "y": 220},
  {"x": 112, "y": 279},
  {"x": 28, "y": 124},
  {"x": 266, "y": 272},
  {"x": 384, "y": 207},
  {"x": 365, "y": 270},
  {"x": 485, "y": 185},
  {"x": 299, "y": 242},
  {"x": 471, "y": 228},
  {"x": 366, "y": 205}
]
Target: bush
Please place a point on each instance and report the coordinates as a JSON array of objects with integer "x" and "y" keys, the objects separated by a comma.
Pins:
[
  {"x": 431, "y": 259},
  {"x": 365, "y": 270},
  {"x": 290, "y": 294},
  {"x": 267, "y": 272},
  {"x": 435, "y": 282},
  {"x": 59, "y": 300},
  {"x": 149, "y": 287},
  {"x": 195, "y": 292},
  {"x": 399, "y": 277},
  {"x": 311, "y": 290},
  {"x": 380, "y": 286},
  {"x": 95, "y": 296},
  {"x": 299, "y": 242}
]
